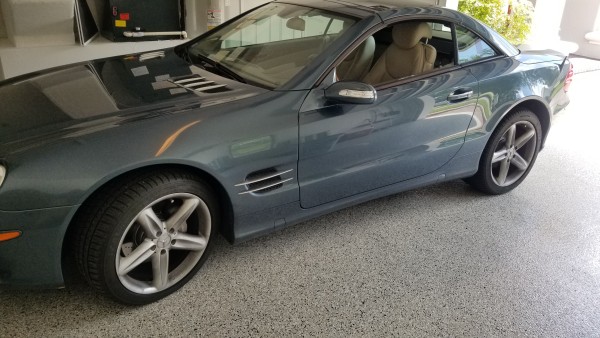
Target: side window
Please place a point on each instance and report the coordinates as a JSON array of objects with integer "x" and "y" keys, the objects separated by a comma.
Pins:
[
  {"x": 471, "y": 47},
  {"x": 401, "y": 50},
  {"x": 443, "y": 42}
]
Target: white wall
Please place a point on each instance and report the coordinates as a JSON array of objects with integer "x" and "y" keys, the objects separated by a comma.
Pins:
[
  {"x": 579, "y": 18},
  {"x": 2, "y": 26},
  {"x": 562, "y": 25},
  {"x": 452, "y": 4},
  {"x": 547, "y": 19},
  {"x": 249, "y": 4},
  {"x": 545, "y": 28},
  {"x": 33, "y": 23}
]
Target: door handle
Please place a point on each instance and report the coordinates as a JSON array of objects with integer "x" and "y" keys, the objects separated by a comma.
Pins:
[{"x": 460, "y": 94}]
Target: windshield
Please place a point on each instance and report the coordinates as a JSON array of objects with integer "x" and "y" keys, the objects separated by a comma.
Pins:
[{"x": 271, "y": 44}]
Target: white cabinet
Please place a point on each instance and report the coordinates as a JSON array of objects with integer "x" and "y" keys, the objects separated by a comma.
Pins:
[
  {"x": 38, "y": 34},
  {"x": 38, "y": 22}
]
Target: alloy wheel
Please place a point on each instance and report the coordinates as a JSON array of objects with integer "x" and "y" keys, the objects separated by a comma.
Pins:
[
  {"x": 514, "y": 153},
  {"x": 163, "y": 243}
]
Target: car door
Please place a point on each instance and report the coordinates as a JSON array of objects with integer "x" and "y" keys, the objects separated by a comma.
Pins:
[{"x": 413, "y": 128}]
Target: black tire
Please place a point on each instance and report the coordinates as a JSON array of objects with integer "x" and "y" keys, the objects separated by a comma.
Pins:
[
  {"x": 164, "y": 218},
  {"x": 519, "y": 158}
]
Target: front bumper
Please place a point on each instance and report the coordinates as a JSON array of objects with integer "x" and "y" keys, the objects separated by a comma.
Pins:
[{"x": 34, "y": 258}]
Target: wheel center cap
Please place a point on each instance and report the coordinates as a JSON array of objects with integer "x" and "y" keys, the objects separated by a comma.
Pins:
[
  {"x": 164, "y": 241},
  {"x": 511, "y": 153}
]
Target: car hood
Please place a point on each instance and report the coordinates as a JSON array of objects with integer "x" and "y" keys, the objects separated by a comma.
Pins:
[{"x": 87, "y": 97}]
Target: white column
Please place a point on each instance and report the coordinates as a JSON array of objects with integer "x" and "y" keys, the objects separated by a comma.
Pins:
[
  {"x": 452, "y": 4},
  {"x": 546, "y": 20},
  {"x": 545, "y": 28},
  {"x": 582, "y": 17}
]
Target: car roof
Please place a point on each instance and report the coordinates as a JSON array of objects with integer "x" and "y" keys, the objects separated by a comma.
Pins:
[
  {"x": 383, "y": 5},
  {"x": 363, "y": 8},
  {"x": 384, "y": 9}
]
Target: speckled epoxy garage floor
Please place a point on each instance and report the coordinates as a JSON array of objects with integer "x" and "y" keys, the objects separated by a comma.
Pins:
[{"x": 443, "y": 260}]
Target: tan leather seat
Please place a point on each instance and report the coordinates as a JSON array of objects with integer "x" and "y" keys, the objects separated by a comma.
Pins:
[
  {"x": 357, "y": 64},
  {"x": 406, "y": 56}
]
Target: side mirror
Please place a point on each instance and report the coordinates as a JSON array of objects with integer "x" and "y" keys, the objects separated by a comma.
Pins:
[{"x": 351, "y": 92}]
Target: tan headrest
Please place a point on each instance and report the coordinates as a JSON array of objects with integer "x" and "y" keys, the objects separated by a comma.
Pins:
[{"x": 407, "y": 35}]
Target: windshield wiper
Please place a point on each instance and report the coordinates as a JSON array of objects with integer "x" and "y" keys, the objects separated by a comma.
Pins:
[
  {"x": 229, "y": 72},
  {"x": 206, "y": 61}
]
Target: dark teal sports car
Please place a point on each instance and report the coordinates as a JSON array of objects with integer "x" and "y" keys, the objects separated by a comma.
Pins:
[{"x": 127, "y": 167}]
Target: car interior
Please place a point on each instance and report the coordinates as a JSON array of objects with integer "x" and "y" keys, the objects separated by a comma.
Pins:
[{"x": 395, "y": 52}]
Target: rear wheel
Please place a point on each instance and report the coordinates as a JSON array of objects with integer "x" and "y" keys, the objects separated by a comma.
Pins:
[
  {"x": 143, "y": 239},
  {"x": 509, "y": 154}
]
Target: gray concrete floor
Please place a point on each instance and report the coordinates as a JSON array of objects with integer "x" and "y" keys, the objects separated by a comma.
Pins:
[{"x": 443, "y": 260}]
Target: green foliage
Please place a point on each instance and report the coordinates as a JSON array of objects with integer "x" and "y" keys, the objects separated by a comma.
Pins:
[{"x": 514, "y": 27}]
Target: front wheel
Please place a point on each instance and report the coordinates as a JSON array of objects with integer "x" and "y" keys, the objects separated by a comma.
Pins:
[
  {"x": 145, "y": 238},
  {"x": 509, "y": 155}
]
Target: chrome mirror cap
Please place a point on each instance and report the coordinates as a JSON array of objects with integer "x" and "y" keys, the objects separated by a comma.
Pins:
[{"x": 351, "y": 92}]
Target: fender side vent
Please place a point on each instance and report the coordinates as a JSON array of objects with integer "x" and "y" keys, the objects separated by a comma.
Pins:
[{"x": 263, "y": 181}]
